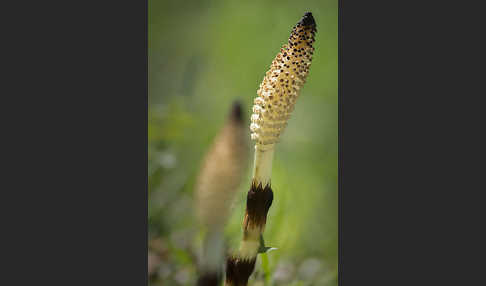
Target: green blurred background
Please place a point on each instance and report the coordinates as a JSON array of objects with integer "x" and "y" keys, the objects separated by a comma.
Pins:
[{"x": 202, "y": 56}]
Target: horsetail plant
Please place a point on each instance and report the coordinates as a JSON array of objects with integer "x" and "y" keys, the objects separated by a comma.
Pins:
[
  {"x": 271, "y": 110},
  {"x": 216, "y": 186}
]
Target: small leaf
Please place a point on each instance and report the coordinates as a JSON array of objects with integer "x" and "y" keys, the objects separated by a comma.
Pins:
[
  {"x": 268, "y": 249},
  {"x": 263, "y": 248}
]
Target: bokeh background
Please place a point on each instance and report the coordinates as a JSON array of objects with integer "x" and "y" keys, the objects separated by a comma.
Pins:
[{"x": 203, "y": 55}]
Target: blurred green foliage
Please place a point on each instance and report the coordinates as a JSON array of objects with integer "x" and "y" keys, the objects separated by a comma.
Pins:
[{"x": 202, "y": 56}]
